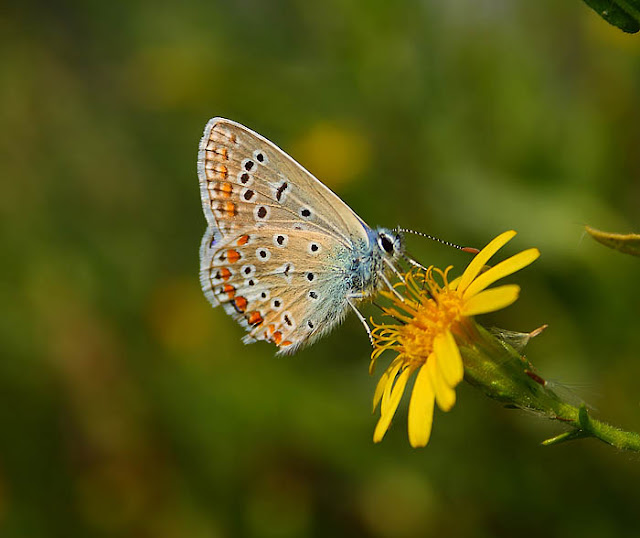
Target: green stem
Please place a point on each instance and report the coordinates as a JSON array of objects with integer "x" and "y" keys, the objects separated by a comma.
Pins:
[{"x": 503, "y": 374}]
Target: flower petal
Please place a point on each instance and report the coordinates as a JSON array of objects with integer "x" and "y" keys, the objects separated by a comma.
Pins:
[
  {"x": 382, "y": 383},
  {"x": 504, "y": 268},
  {"x": 421, "y": 409},
  {"x": 392, "y": 405},
  {"x": 445, "y": 395},
  {"x": 393, "y": 370},
  {"x": 476, "y": 265},
  {"x": 449, "y": 361},
  {"x": 491, "y": 300}
]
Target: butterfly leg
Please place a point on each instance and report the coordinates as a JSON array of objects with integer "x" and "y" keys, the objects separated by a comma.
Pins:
[
  {"x": 360, "y": 316},
  {"x": 395, "y": 270},
  {"x": 412, "y": 261},
  {"x": 384, "y": 279}
]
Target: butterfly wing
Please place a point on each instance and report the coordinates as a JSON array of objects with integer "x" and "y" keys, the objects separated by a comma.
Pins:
[
  {"x": 288, "y": 288},
  {"x": 271, "y": 224},
  {"x": 247, "y": 181}
]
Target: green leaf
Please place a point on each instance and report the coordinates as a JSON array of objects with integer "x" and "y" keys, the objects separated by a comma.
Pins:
[
  {"x": 629, "y": 243},
  {"x": 624, "y": 14}
]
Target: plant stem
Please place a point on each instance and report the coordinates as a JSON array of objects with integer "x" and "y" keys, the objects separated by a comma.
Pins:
[{"x": 503, "y": 374}]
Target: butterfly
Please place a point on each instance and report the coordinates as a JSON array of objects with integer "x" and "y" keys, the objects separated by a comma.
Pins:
[{"x": 282, "y": 254}]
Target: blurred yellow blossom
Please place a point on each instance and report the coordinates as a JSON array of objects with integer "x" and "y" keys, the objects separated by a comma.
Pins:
[{"x": 335, "y": 153}]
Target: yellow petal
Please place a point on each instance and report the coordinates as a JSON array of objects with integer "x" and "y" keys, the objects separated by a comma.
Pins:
[
  {"x": 382, "y": 383},
  {"x": 393, "y": 370},
  {"x": 504, "y": 268},
  {"x": 476, "y": 265},
  {"x": 421, "y": 409},
  {"x": 491, "y": 300},
  {"x": 390, "y": 408},
  {"x": 445, "y": 395},
  {"x": 449, "y": 360}
]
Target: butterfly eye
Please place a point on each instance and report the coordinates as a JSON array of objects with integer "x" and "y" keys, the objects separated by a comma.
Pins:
[{"x": 385, "y": 243}]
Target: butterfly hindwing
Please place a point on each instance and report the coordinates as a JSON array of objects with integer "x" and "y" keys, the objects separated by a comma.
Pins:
[{"x": 287, "y": 287}]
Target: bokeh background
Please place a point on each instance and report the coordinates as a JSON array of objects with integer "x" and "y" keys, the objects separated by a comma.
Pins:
[{"x": 130, "y": 408}]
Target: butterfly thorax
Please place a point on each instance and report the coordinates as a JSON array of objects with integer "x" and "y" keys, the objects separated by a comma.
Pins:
[{"x": 369, "y": 260}]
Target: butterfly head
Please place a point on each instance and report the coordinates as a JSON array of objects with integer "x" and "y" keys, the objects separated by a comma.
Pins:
[{"x": 390, "y": 242}]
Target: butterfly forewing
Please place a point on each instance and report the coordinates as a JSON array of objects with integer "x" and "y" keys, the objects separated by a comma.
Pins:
[
  {"x": 276, "y": 252},
  {"x": 247, "y": 181}
]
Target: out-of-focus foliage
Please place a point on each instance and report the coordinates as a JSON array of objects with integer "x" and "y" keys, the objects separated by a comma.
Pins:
[
  {"x": 627, "y": 243},
  {"x": 128, "y": 407},
  {"x": 625, "y": 14}
]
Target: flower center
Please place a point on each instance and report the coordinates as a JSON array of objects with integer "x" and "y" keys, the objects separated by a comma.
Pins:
[{"x": 432, "y": 318}]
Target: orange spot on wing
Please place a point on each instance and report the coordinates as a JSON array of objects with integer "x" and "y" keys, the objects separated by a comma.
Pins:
[
  {"x": 286, "y": 343},
  {"x": 233, "y": 255},
  {"x": 230, "y": 207},
  {"x": 224, "y": 273},
  {"x": 277, "y": 337},
  {"x": 255, "y": 318},
  {"x": 229, "y": 290},
  {"x": 221, "y": 170},
  {"x": 224, "y": 189},
  {"x": 243, "y": 240},
  {"x": 240, "y": 304}
]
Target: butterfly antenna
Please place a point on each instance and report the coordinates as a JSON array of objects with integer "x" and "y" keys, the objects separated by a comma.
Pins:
[{"x": 470, "y": 250}]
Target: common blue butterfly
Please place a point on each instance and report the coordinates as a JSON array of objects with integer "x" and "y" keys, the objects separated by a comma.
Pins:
[{"x": 283, "y": 254}]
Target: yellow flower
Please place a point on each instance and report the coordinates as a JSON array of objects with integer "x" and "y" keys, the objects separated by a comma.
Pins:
[{"x": 433, "y": 314}]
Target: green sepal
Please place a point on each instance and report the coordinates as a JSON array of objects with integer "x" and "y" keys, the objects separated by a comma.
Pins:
[{"x": 566, "y": 436}]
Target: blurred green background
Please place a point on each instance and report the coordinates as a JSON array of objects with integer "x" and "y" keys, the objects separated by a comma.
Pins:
[{"x": 129, "y": 407}]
